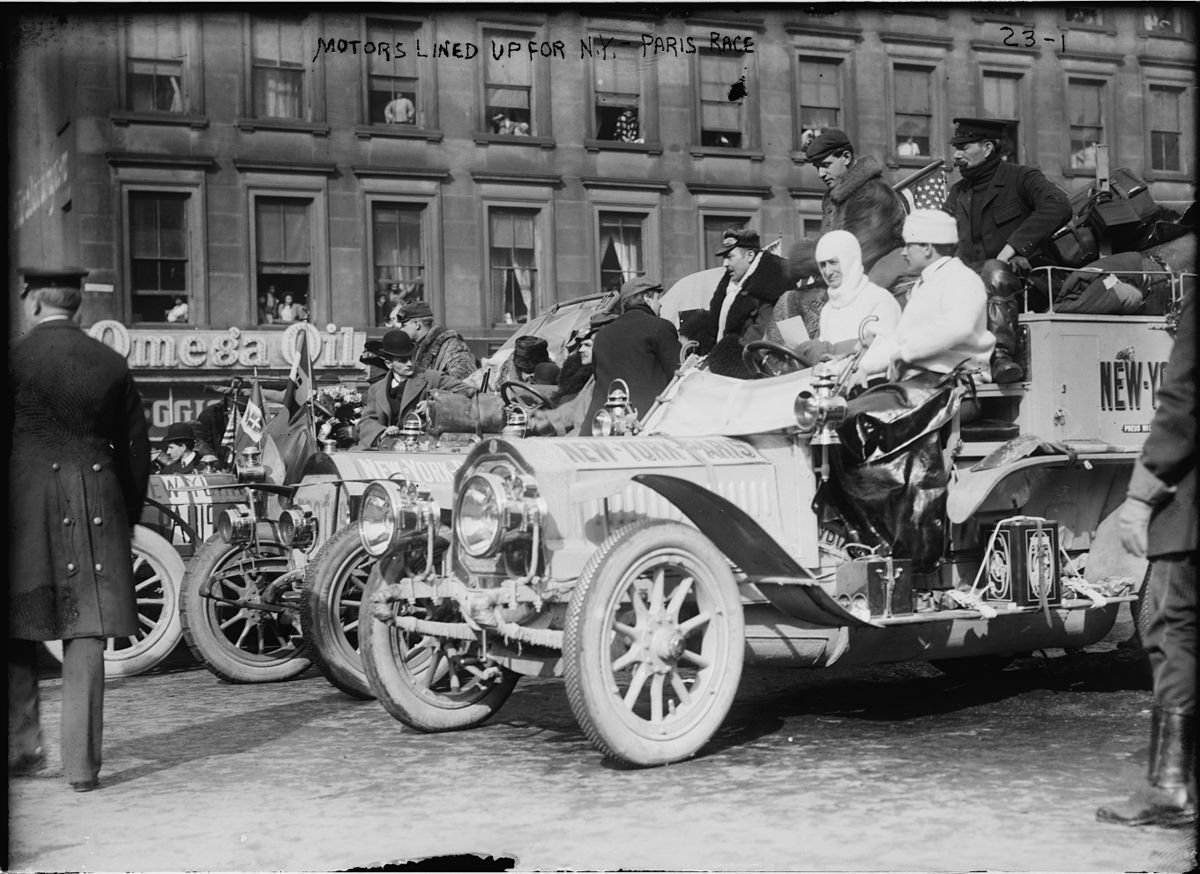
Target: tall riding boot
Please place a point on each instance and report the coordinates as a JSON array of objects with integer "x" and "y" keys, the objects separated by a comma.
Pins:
[
  {"x": 1170, "y": 798},
  {"x": 1002, "y": 322}
]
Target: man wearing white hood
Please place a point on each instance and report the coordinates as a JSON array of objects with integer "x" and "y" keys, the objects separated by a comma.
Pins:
[{"x": 852, "y": 298}]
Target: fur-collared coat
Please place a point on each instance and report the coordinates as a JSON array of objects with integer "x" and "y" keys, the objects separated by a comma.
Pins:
[
  {"x": 78, "y": 467},
  {"x": 864, "y": 204},
  {"x": 753, "y": 307},
  {"x": 445, "y": 351}
]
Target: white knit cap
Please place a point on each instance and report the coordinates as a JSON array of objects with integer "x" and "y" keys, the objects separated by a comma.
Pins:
[{"x": 930, "y": 226}]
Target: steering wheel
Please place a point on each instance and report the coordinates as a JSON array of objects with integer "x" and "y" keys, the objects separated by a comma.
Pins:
[
  {"x": 511, "y": 387},
  {"x": 756, "y": 353}
]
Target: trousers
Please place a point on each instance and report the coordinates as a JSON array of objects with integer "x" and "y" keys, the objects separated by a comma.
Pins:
[
  {"x": 1170, "y": 639},
  {"x": 82, "y": 705}
]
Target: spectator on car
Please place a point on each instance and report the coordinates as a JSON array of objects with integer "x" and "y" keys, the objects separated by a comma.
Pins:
[
  {"x": 638, "y": 347},
  {"x": 438, "y": 348},
  {"x": 743, "y": 304},
  {"x": 528, "y": 352},
  {"x": 178, "y": 453}
]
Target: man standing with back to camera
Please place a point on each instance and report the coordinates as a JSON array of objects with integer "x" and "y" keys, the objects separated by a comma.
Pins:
[
  {"x": 1005, "y": 213},
  {"x": 78, "y": 466}
]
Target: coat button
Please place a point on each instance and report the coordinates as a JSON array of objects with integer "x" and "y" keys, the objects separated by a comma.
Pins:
[
  {"x": 96, "y": 468},
  {"x": 54, "y": 466},
  {"x": 71, "y": 566},
  {"x": 67, "y": 521},
  {"x": 99, "y": 567},
  {"x": 97, "y": 521}
]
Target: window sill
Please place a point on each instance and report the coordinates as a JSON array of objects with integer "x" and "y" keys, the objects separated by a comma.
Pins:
[
  {"x": 1075, "y": 26},
  {"x": 397, "y": 132},
  {"x": 1163, "y": 34},
  {"x": 1167, "y": 176},
  {"x": 122, "y": 118},
  {"x": 651, "y": 148},
  {"x": 910, "y": 163},
  {"x": 719, "y": 152},
  {"x": 513, "y": 140},
  {"x": 282, "y": 124}
]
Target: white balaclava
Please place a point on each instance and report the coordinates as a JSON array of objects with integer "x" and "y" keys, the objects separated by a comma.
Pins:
[{"x": 844, "y": 246}]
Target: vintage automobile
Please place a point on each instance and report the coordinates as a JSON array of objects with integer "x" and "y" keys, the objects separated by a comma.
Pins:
[
  {"x": 647, "y": 570},
  {"x": 278, "y": 588}
]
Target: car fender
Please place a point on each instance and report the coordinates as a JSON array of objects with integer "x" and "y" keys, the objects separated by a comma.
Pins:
[{"x": 743, "y": 541}]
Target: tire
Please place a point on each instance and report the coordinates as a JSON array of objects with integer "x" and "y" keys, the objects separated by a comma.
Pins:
[
  {"x": 411, "y": 673},
  {"x": 973, "y": 667},
  {"x": 333, "y": 587},
  {"x": 240, "y": 644},
  {"x": 158, "y": 572},
  {"x": 693, "y": 667}
]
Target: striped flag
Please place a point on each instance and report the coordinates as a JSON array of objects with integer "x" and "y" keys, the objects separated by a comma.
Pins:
[{"x": 231, "y": 423}]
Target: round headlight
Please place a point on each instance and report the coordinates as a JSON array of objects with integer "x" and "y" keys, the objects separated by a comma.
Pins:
[
  {"x": 478, "y": 517},
  {"x": 236, "y": 525},
  {"x": 377, "y": 519},
  {"x": 298, "y": 527},
  {"x": 807, "y": 411}
]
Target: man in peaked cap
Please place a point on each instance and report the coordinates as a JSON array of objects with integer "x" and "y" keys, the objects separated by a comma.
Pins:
[
  {"x": 742, "y": 305},
  {"x": 1005, "y": 214},
  {"x": 638, "y": 347},
  {"x": 391, "y": 399},
  {"x": 860, "y": 200},
  {"x": 438, "y": 348},
  {"x": 78, "y": 466}
]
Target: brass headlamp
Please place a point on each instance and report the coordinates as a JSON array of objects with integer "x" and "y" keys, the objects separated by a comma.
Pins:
[
  {"x": 516, "y": 421},
  {"x": 249, "y": 465},
  {"x": 618, "y": 417},
  {"x": 298, "y": 527}
]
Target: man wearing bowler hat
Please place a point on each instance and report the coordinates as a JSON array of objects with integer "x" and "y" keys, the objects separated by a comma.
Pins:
[
  {"x": 1005, "y": 214},
  {"x": 400, "y": 391},
  {"x": 859, "y": 200},
  {"x": 438, "y": 348},
  {"x": 78, "y": 466},
  {"x": 178, "y": 454}
]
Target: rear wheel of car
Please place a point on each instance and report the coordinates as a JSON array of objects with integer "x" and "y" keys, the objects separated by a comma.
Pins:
[
  {"x": 333, "y": 587},
  {"x": 236, "y": 617},
  {"x": 653, "y": 645},
  {"x": 428, "y": 681},
  {"x": 158, "y": 572}
]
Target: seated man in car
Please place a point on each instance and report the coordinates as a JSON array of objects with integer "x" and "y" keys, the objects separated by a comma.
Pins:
[{"x": 401, "y": 392}]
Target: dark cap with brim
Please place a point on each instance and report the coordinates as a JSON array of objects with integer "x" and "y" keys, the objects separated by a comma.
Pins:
[
  {"x": 734, "y": 238},
  {"x": 60, "y": 277},
  {"x": 972, "y": 130},
  {"x": 828, "y": 143}
]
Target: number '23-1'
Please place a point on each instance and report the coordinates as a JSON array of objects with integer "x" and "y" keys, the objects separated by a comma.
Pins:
[{"x": 1030, "y": 40}]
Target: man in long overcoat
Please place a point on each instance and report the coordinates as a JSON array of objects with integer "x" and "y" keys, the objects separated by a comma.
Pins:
[
  {"x": 637, "y": 346},
  {"x": 391, "y": 399},
  {"x": 78, "y": 467},
  {"x": 1006, "y": 213},
  {"x": 1159, "y": 520}
]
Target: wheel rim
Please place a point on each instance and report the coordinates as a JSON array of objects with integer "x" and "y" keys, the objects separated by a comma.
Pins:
[
  {"x": 667, "y": 644},
  {"x": 442, "y": 673},
  {"x": 342, "y": 608},
  {"x": 256, "y": 634},
  {"x": 156, "y": 601}
]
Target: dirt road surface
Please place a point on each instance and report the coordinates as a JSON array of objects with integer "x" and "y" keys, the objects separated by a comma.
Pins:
[{"x": 882, "y": 769}]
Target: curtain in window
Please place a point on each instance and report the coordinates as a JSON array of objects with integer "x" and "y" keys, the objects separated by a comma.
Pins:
[{"x": 624, "y": 241}]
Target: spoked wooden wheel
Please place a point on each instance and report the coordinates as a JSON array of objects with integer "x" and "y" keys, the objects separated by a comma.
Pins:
[
  {"x": 653, "y": 646},
  {"x": 429, "y": 682},
  {"x": 158, "y": 573},
  {"x": 333, "y": 589}
]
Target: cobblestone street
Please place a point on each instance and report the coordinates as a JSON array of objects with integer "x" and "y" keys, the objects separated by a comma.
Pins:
[{"x": 896, "y": 769}]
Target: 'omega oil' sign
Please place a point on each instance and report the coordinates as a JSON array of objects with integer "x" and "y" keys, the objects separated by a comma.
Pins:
[{"x": 1126, "y": 384}]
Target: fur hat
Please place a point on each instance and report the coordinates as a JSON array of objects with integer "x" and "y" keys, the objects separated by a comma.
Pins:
[{"x": 528, "y": 352}]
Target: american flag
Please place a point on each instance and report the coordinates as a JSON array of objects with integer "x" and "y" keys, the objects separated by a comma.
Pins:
[{"x": 929, "y": 193}]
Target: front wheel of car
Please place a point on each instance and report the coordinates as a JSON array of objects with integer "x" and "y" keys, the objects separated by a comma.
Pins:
[
  {"x": 654, "y": 644},
  {"x": 329, "y": 610},
  {"x": 428, "y": 681}
]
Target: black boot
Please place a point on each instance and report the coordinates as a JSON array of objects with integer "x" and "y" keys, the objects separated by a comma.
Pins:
[
  {"x": 1002, "y": 322},
  {"x": 1170, "y": 799}
]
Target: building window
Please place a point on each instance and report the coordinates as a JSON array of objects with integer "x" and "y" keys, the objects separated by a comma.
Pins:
[
  {"x": 1085, "y": 109},
  {"x": 158, "y": 253},
  {"x": 913, "y": 111},
  {"x": 722, "y": 100},
  {"x": 277, "y": 68},
  {"x": 714, "y": 231},
  {"x": 1162, "y": 19},
  {"x": 155, "y": 65},
  {"x": 1084, "y": 15},
  {"x": 399, "y": 268},
  {"x": 1001, "y": 98},
  {"x": 820, "y": 94},
  {"x": 284, "y": 253},
  {"x": 513, "y": 256},
  {"x": 622, "y": 250},
  {"x": 618, "y": 92},
  {"x": 392, "y": 80},
  {"x": 1166, "y": 127},
  {"x": 508, "y": 87}
]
